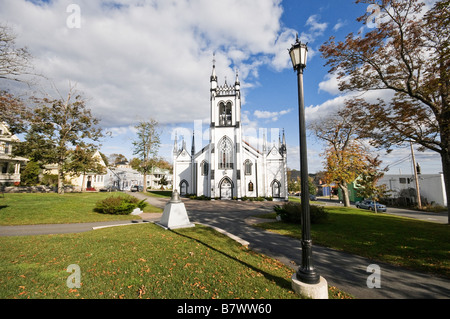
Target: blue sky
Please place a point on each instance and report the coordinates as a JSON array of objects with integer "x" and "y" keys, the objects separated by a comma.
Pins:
[{"x": 139, "y": 59}]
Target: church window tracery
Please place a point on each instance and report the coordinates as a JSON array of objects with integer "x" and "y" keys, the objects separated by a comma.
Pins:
[{"x": 225, "y": 153}]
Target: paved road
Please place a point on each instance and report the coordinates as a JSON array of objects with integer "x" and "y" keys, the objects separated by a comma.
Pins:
[
  {"x": 440, "y": 218},
  {"x": 345, "y": 271}
]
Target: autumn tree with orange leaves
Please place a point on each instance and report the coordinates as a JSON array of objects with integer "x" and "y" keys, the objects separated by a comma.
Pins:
[{"x": 346, "y": 155}]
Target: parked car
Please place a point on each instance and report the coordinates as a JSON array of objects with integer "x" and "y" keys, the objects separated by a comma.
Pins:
[
  {"x": 311, "y": 197},
  {"x": 370, "y": 204},
  {"x": 136, "y": 188}
]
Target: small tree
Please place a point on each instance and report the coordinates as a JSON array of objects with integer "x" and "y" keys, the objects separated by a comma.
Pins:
[
  {"x": 344, "y": 154},
  {"x": 13, "y": 112},
  {"x": 115, "y": 158},
  {"x": 146, "y": 145},
  {"x": 82, "y": 162},
  {"x": 368, "y": 180},
  {"x": 343, "y": 166},
  {"x": 56, "y": 127},
  {"x": 29, "y": 176}
]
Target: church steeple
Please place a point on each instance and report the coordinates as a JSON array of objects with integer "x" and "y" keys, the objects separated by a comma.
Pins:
[
  {"x": 283, "y": 148},
  {"x": 193, "y": 144},
  {"x": 175, "y": 144},
  {"x": 213, "y": 74},
  {"x": 237, "y": 84}
]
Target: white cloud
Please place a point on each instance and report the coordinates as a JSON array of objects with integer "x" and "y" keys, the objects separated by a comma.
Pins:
[
  {"x": 339, "y": 25},
  {"x": 330, "y": 84},
  {"x": 136, "y": 60},
  {"x": 270, "y": 115},
  {"x": 316, "y": 26}
]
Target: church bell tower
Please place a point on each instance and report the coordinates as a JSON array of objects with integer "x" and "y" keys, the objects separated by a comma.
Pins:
[{"x": 225, "y": 138}]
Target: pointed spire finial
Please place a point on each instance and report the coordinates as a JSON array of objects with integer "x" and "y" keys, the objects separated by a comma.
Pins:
[
  {"x": 213, "y": 75},
  {"x": 175, "y": 144},
  {"x": 193, "y": 143}
]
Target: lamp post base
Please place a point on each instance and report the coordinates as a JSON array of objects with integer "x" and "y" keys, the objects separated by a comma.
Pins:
[{"x": 316, "y": 291}]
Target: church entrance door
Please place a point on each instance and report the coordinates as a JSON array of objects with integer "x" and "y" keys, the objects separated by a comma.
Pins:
[{"x": 226, "y": 190}]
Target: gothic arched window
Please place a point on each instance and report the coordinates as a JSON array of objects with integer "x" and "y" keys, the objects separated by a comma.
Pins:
[
  {"x": 248, "y": 167},
  {"x": 204, "y": 168},
  {"x": 225, "y": 113},
  {"x": 184, "y": 186},
  {"x": 276, "y": 186},
  {"x": 225, "y": 153}
]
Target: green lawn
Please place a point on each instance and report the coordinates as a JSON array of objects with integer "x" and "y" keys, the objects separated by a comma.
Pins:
[
  {"x": 141, "y": 261},
  {"x": 135, "y": 261},
  {"x": 406, "y": 242},
  {"x": 158, "y": 193},
  {"x": 51, "y": 208}
]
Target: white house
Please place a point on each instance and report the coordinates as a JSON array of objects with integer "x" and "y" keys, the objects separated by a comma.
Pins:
[
  {"x": 155, "y": 176},
  {"x": 123, "y": 178},
  {"x": 229, "y": 167},
  {"x": 9, "y": 165},
  {"x": 431, "y": 186}
]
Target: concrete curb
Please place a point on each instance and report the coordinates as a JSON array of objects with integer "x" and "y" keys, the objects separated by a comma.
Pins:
[{"x": 234, "y": 237}]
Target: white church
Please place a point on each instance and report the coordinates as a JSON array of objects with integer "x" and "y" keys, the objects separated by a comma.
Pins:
[{"x": 229, "y": 167}]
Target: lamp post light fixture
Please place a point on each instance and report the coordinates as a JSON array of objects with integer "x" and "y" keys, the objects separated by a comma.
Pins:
[{"x": 306, "y": 273}]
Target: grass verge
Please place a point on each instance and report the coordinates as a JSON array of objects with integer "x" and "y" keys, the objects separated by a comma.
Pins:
[{"x": 160, "y": 194}]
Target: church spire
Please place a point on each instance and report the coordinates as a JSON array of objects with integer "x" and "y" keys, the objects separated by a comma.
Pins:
[
  {"x": 193, "y": 144},
  {"x": 213, "y": 74},
  {"x": 283, "y": 148},
  {"x": 237, "y": 84},
  {"x": 264, "y": 142},
  {"x": 175, "y": 144}
]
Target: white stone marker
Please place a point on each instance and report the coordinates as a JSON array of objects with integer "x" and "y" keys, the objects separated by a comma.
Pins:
[{"x": 175, "y": 214}]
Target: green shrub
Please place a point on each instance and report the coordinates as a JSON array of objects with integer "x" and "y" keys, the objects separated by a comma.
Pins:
[
  {"x": 256, "y": 199},
  {"x": 50, "y": 179},
  {"x": 119, "y": 205},
  {"x": 291, "y": 213},
  {"x": 201, "y": 197}
]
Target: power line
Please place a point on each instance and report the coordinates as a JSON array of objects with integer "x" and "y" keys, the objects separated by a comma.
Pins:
[{"x": 398, "y": 162}]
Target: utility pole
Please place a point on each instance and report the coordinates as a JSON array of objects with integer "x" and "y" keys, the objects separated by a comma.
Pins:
[{"x": 416, "y": 177}]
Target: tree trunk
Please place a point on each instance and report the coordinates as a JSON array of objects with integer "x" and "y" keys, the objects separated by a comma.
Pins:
[
  {"x": 60, "y": 180},
  {"x": 145, "y": 182},
  {"x": 445, "y": 157},
  {"x": 83, "y": 181},
  {"x": 345, "y": 196}
]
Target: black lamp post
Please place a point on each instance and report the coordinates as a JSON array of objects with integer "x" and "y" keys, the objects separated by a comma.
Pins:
[{"x": 306, "y": 272}]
